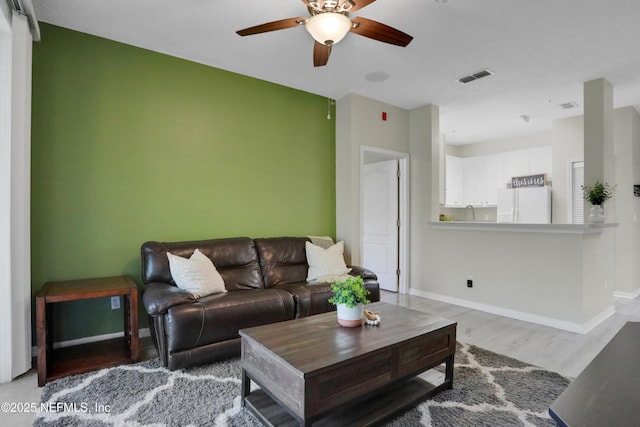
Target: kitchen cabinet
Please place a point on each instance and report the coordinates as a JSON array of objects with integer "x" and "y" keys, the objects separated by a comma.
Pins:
[
  {"x": 454, "y": 185},
  {"x": 483, "y": 175},
  {"x": 540, "y": 160},
  {"x": 516, "y": 163},
  {"x": 476, "y": 180},
  {"x": 494, "y": 177}
]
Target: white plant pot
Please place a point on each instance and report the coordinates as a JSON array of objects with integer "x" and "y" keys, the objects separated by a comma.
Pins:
[
  {"x": 350, "y": 317},
  {"x": 596, "y": 214}
]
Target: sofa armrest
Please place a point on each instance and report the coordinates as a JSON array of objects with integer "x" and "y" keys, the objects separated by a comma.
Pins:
[
  {"x": 363, "y": 272},
  {"x": 159, "y": 297}
]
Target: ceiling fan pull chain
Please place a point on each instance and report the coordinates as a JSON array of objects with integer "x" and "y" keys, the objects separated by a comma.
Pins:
[{"x": 328, "y": 108}]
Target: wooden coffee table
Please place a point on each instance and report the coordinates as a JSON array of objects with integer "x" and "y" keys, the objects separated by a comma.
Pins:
[{"x": 313, "y": 371}]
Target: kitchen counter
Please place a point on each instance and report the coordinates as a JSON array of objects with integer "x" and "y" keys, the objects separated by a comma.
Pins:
[
  {"x": 558, "y": 275},
  {"x": 525, "y": 228}
]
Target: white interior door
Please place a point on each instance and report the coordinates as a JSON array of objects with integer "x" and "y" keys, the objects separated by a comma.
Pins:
[{"x": 380, "y": 222}]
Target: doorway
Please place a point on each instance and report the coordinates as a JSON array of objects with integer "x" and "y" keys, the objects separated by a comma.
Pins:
[{"x": 384, "y": 216}]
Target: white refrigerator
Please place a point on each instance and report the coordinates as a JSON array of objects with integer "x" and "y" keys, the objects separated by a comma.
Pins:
[{"x": 525, "y": 205}]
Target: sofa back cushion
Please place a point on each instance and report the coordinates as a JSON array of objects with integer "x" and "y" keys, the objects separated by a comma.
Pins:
[
  {"x": 282, "y": 260},
  {"x": 235, "y": 259}
]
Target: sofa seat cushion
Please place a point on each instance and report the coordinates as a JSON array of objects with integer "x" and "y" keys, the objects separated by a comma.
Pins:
[
  {"x": 218, "y": 317},
  {"x": 312, "y": 298}
]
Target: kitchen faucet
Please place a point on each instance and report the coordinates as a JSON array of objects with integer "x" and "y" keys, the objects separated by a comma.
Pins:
[{"x": 473, "y": 213}]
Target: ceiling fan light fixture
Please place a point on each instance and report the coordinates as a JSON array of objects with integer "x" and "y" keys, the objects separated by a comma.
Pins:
[
  {"x": 328, "y": 28},
  {"x": 347, "y": 5}
]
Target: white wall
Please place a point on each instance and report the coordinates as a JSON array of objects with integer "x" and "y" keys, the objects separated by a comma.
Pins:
[
  {"x": 546, "y": 277},
  {"x": 424, "y": 139},
  {"x": 598, "y": 272},
  {"x": 359, "y": 122},
  {"x": 636, "y": 203},
  {"x": 598, "y": 137},
  {"x": 567, "y": 144},
  {"x": 536, "y": 273},
  {"x": 21, "y": 194},
  {"x": 624, "y": 208},
  {"x": 15, "y": 158},
  {"x": 627, "y": 206},
  {"x": 500, "y": 145},
  {"x": 5, "y": 195},
  {"x": 635, "y": 124}
]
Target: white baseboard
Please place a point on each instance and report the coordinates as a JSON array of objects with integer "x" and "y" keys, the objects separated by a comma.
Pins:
[
  {"x": 521, "y": 315},
  {"x": 627, "y": 295},
  {"x": 598, "y": 318},
  {"x": 85, "y": 340}
]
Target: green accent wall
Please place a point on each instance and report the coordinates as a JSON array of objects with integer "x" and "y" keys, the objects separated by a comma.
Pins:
[{"x": 130, "y": 145}]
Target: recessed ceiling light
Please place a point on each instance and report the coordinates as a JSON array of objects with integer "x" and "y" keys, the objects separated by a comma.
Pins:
[{"x": 377, "y": 76}]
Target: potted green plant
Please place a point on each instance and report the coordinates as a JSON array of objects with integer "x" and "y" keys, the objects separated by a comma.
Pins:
[
  {"x": 597, "y": 195},
  {"x": 349, "y": 297}
]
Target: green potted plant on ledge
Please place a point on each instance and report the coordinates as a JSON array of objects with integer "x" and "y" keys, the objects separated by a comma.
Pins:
[
  {"x": 597, "y": 195},
  {"x": 349, "y": 297}
]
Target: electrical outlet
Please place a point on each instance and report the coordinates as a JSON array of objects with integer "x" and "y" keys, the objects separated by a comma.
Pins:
[
  {"x": 469, "y": 281},
  {"x": 115, "y": 303}
]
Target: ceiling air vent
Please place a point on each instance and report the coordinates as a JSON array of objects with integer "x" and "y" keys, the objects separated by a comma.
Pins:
[
  {"x": 475, "y": 76},
  {"x": 569, "y": 105}
]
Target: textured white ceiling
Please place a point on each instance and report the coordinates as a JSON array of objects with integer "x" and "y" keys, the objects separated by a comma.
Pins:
[{"x": 541, "y": 51}]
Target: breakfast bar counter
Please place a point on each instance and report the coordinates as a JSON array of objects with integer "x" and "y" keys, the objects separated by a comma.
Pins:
[{"x": 524, "y": 228}]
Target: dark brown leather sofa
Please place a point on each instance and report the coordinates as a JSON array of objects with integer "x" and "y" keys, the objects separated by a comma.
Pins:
[{"x": 266, "y": 283}]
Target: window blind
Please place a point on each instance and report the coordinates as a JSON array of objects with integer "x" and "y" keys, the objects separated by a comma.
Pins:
[{"x": 577, "y": 200}]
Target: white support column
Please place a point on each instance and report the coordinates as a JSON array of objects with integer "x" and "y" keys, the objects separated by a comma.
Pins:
[
  {"x": 424, "y": 146},
  {"x": 598, "y": 137}
]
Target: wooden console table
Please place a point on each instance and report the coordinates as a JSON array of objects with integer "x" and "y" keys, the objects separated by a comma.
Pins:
[{"x": 61, "y": 362}]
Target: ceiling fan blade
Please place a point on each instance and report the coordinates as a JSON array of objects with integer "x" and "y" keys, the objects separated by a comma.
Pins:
[
  {"x": 360, "y": 4},
  {"x": 271, "y": 26},
  {"x": 381, "y": 32},
  {"x": 321, "y": 54}
]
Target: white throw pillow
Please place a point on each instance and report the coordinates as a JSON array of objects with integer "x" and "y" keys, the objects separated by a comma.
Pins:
[
  {"x": 196, "y": 275},
  {"x": 325, "y": 262}
]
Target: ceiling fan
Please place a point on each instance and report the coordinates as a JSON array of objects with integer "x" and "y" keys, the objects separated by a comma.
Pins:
[{"x": 330, "y": 22}]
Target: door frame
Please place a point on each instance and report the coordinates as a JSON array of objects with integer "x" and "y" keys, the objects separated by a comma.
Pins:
[{"x": 403, "y": 208}]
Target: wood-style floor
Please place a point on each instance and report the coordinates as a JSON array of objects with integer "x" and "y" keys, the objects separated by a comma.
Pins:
[
  {"x": 560, "y": 351},
  {"x": 564, "y": 352}
]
